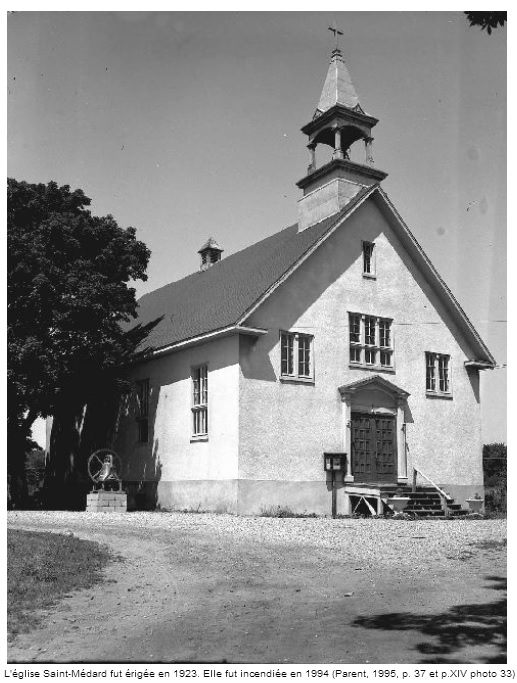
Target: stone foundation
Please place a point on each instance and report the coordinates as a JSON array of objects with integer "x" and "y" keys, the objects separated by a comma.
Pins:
[
  {"x": 106, "y": 501},
  {"x": 256, "y": 496}
]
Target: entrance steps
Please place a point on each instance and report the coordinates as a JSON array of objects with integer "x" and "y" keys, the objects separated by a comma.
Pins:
[{"x": 425, "y": 502}]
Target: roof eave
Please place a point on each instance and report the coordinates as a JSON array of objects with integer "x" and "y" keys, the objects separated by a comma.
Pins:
[
  {"x": 466, "y": 327},
  {"x": 336, "y": 109},
  {"x": 361, "y": 169},
  {"x": 480, "y": 364},
  {"x": 207, "y": 336}
]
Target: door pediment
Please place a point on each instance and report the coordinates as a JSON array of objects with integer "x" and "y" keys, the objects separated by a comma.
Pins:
[{"x": 373, "y": 383}]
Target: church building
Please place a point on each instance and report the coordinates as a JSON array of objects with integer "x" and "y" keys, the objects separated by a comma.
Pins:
[{"x": 334, "y": 336}]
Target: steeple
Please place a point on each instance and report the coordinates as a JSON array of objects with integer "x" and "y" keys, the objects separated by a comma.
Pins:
[
  {"x": 339, "y": 122},
  {"x": 338, "y": 87}
]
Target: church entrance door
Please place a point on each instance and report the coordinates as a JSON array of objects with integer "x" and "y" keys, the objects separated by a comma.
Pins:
[{"x": 374, "y": 448}]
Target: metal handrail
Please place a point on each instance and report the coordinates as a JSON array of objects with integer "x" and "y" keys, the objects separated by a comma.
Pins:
[{"x": 440, "y": 491}]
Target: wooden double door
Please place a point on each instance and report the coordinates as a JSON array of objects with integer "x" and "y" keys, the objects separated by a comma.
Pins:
[{"x": 374, "y": 448}]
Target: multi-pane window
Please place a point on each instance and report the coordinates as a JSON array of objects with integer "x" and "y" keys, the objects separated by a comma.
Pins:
[
  {"x": 430, "y": 372},
  {"x": 304, "y": 356},
  {"x": 287, "y": 353},
  {"x": 384, "y": 332},
  {"x": 370, "y": 341},
  {"x": 370, "y": 356},
  {"x": 142, "y": 410},
  {"x": 368, "y": 258},
  {"x": 355, "y": 354},
  {"x": 437, "y": 374},
  {"x": 355, "y": 328},
  {"x": 200, "y": 401},
  {"x": 296, "y": 355},
  {"x": 369, "y": 330},
  {"x": 443, "y": 374},
  {"x": 385, "y": 342}
]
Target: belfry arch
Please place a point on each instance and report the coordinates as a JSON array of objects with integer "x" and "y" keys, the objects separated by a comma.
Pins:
[
  {"x": 339, "y": 123},
  {"x": 340, "y": 139}
]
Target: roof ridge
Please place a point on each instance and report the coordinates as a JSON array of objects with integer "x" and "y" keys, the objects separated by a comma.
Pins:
[
  {"x": 333, "y": 221},
  {"x": 222, "y": 261},
  {"x": 438, "y": 278}
]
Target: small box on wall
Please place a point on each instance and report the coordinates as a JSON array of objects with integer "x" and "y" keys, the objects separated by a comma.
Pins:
[{"x": 334, "y": 462}]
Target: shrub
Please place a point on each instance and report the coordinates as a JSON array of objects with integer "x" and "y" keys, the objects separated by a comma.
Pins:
[
  {"x": 495, "y": 498},
  {"x": 284, "y": 512}
]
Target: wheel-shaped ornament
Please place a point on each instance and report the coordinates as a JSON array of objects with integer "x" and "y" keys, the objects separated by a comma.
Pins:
[{"x": 104, "y": 465}]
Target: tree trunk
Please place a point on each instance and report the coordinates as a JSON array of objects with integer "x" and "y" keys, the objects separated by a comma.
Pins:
[
  {"x": 65, "y": 480},
  {"x": 16, "y": 480},
  {"x": 17, "y": 447},
  {"x": 80, "y": 426}
]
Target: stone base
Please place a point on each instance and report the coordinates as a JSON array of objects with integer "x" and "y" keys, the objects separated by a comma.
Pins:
[{"x": 106, "y": 501}]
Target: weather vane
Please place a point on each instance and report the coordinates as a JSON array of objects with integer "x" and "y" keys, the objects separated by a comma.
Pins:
[{"x": 336, "y": 32}]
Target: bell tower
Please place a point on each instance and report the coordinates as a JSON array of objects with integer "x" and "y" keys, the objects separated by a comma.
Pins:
[{"x": 339, "y": 121}]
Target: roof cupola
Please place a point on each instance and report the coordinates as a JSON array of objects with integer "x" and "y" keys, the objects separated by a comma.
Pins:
[
  {"x": 210, "y": 253},
  {"x": 338, "y": 122}
]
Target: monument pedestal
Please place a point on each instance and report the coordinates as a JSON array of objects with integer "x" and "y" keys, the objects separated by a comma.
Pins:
[{"x": 106, "y": 501}]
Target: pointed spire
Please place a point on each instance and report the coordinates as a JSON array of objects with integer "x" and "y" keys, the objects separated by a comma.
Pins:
[{"x": 338, "y": 87}]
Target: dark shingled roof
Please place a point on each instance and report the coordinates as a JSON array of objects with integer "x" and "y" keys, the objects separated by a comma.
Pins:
[{"x": 219, "y": 296}]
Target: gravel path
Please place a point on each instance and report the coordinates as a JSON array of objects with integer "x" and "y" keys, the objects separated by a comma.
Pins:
[
  {"x": 414, "y": 543},
  {"x": 208, "y": 588}
]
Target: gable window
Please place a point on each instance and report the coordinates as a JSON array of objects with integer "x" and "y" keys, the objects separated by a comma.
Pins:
[
  {"x": 368, "y": 259},
  {"x": 142, "y": 410},
  {"x": 437, "y": 374},
  {"x": 296, "y": 357},
  {"x": 200, "y": 401},
  {"x": 370, "y": 341}
]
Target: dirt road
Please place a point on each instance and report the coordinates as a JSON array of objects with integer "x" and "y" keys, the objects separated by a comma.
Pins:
[{"x": 216, "y": 588}]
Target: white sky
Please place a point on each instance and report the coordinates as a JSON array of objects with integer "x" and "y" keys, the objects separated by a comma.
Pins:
[{"x": 186, "y": 125}]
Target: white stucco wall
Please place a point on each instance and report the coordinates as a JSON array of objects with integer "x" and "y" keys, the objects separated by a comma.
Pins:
[
  {"x": 286, "y": 427},
  {"x": 189, "y": 474}
]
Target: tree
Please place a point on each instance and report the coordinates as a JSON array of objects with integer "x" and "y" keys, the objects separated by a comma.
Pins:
[
  {"x": 486, "y": 20},
  {"x": 68, "y": 302},
  {"x": 495, "y": 476},
  {"x": 494, "y": 462}
]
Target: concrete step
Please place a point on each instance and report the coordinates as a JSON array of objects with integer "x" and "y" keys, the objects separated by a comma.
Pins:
[
  {"x": 425, "y": 504},
  {"x": 425, "y": 512},
  {"x": 423, "y": 496},
  {"x": 425, "y": 501}
]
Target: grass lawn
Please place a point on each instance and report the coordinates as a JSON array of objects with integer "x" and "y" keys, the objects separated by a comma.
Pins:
[{"x": 44, "y": 567}]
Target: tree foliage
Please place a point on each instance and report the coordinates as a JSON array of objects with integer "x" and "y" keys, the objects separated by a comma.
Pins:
[
  {"x": 494, "y": 462},
  {"x": 68, "y": 299},
  {"x": 496, "y": 451},
  {"x": 486, "y": 20},
  {"x": 495, "y": 476}
]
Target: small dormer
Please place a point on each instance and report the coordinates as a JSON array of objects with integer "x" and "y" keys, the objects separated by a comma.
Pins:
[{"x": 210, "y": 253}]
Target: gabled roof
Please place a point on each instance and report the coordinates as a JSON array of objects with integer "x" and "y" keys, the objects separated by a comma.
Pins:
[
  {"x": 484, "y": 358},
  {"x": 373, "y": 381},
  {"x": 222, "y": 295},
  {"x": 228, "y": 292}
]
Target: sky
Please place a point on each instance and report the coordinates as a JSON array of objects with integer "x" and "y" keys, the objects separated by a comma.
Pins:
[{"x": 187, "y": 125}]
